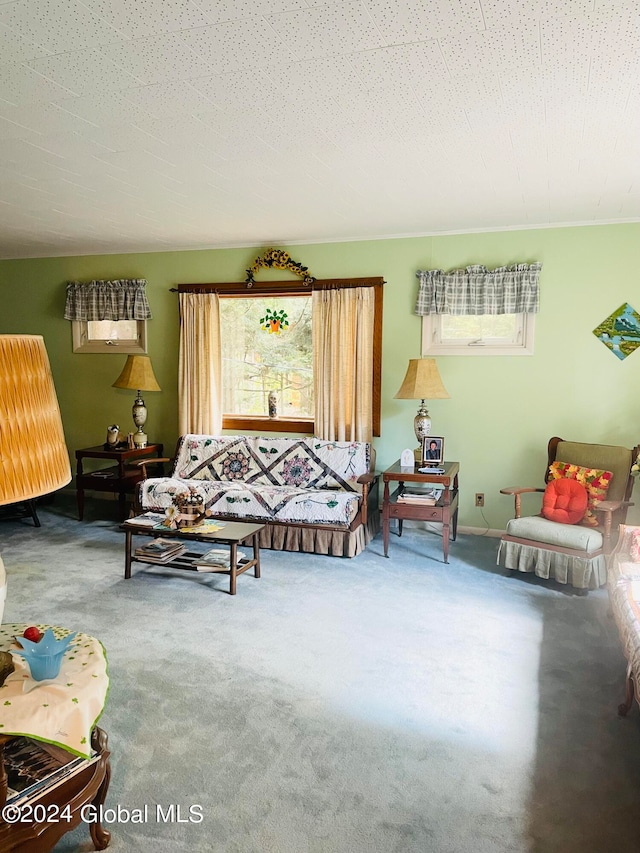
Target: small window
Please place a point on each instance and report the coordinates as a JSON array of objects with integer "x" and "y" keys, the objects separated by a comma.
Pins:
[
  {"x": 484, "y": 334},
  {"x": 122, "y": 336}
]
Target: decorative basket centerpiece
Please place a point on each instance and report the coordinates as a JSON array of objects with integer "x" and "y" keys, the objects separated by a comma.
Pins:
[{"x": 186, "y": 510}]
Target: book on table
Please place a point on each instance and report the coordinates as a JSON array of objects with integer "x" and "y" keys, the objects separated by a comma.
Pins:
[
  {"x": 34, "y": 767},
  {"x": 424, "y": 497},
  {"x": 216, "y": 558},
  {"x": 160, "y": 549},
  {"x": 147, "y": 519}
]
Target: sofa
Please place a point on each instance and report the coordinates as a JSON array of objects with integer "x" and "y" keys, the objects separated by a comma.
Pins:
[
  {"x": 312, "y": 495},
  {"x": 623, "y": 584}
]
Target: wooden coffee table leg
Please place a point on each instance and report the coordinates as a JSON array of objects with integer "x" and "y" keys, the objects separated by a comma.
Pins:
[
  {"x": 256, "y": 556},
  {"x": 233, "y": 567},
  {"x": 127, "y": 553}
]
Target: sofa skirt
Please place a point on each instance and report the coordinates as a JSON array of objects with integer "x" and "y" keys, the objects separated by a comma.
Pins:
[
  {"x": 580, "y": 572},
  {"x": 312, "y": 540}
]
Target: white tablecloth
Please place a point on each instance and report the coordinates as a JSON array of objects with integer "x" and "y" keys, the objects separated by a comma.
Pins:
[{"x": 62, "y": 710}]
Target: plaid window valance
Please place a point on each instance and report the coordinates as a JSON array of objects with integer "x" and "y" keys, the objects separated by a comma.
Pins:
[
  {"x": 122, "y": 299},
  {"x": 477, "y": 290}
]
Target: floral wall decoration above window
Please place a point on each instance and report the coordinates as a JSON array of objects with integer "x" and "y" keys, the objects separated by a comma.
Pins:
[
  {"x": 620, "y": 332},
  {"x": 280, "y": 260},
  {"x": 274, "y": 321}
]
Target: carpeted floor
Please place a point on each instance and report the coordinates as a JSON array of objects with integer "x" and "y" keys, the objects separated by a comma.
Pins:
[{"x": 369, "y": 705}]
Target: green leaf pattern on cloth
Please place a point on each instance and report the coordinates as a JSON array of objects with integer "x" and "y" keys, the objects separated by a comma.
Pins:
[{"x": 49, "y": 710}]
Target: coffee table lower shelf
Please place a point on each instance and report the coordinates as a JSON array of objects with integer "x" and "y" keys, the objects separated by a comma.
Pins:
[{"x": 232, "y": 534}]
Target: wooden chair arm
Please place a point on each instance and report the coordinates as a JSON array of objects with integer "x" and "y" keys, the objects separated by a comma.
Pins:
[
  {"x": 612, "y": 506},
  {"x": 609, "y": 507},
  {"x": 516, "y": 491},
  {"x": 142, "y": 463},
  {"x": 366, "y": 478}
]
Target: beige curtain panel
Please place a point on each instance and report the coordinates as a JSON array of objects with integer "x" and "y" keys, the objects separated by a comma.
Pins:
[
  {"x": 200, "y": 365},
  {"x": 343, "y": 363}
]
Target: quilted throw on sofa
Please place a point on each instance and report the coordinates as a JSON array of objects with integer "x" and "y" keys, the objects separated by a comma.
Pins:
[{"x": 307, "y": 480}]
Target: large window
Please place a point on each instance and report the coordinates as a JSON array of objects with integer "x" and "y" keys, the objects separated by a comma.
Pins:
[
  {"x": 255, "y": 362},
  {"x": 267, "y": 348}
]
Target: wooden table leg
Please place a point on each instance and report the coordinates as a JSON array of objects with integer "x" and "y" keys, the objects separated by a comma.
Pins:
[
  {"x": 385, "y": 519},
  {"x": 446, "y": 519},
  {"x": 256, "y": 555},
  {"x": 445, "y": 540},
  {"x": 127, "y": 553},
  {"x": 233, "y": 568}
]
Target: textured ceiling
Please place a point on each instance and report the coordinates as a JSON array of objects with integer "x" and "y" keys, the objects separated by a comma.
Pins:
[{"x": 141, "y": 125}]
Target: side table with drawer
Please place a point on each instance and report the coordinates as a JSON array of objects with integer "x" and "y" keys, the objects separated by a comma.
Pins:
[{"x": 445, "y": 511}]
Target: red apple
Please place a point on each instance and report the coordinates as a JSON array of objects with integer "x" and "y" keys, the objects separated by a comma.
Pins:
[{"x": 32, "y": 634}]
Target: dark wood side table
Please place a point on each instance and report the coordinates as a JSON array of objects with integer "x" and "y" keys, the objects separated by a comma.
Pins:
[
  {"x": 444, "y": 512},
  {"x": 119, "y": 478}
]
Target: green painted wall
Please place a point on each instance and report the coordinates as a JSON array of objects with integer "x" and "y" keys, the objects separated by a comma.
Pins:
[{"x": 502, "y": 410}]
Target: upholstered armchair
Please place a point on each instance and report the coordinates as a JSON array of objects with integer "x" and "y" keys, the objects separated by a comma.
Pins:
[{"x": 572, "y": 553}]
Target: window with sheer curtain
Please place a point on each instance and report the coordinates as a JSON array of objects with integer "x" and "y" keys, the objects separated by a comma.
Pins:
[{"x": 324, "y": 365}]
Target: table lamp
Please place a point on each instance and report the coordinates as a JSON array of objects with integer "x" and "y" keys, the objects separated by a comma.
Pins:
[
  {"x": 137, "y": 375},
  {"x": 422, "y": 382},
  {"x": 34, "y": 460}
]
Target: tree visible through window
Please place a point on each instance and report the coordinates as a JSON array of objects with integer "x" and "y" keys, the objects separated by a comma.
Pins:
[{"x": 257, "y": 360}]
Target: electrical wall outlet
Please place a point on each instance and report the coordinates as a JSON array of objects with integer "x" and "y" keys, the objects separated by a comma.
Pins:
[{"x": 479, "y": 498}]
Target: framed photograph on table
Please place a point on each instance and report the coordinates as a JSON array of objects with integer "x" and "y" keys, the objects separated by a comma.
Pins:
[{"x": 432, "y": 450}]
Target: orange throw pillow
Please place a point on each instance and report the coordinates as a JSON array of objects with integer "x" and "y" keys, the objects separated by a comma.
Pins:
[
  {"x": 565, "y": 501},
  {"x": 595, "y": 481}
]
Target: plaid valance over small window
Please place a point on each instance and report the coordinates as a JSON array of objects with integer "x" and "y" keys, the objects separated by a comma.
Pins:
[
  {"x": 477, "y": 290},
  {"x": 122, "y": 299}
]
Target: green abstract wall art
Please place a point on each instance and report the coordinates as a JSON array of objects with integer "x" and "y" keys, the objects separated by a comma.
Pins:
[{"x": 620, "y": 332}]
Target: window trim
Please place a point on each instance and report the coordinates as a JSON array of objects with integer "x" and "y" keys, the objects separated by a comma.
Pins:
[
  {"x": 433, "y": 345},
  {"x": 298, "y": 288},
  {"x": 82, "y": 344}
]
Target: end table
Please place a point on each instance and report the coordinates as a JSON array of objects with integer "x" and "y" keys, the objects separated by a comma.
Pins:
[
  {"x": 118, "y": 478},
  {"x": 444, "y": 512}
]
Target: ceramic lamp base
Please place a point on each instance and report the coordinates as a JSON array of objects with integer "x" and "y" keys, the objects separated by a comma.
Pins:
[{"x": 140, "y": 439}]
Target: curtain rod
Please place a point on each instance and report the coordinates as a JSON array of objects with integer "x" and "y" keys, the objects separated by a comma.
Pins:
[{"x": 272, "y": 288}]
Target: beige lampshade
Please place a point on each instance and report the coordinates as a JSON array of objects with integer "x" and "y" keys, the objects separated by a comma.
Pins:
[
  {"x": 422, "y": 381},
  {"x": 33, "y": 455},
  {"x": 137, "y": 375}
]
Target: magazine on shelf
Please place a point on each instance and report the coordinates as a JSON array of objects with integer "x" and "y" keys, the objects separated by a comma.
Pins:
[
  {"x": 428, "y": 497},
  {"x": 34, "y": 767},
  {"x": 217, "y": 558},
  {"x": 164, "y": 557},
  {"x": 159, "y": 547}
]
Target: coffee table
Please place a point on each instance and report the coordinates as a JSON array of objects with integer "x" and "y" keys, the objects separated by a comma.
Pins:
[{"x": 232, "y": 534}]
